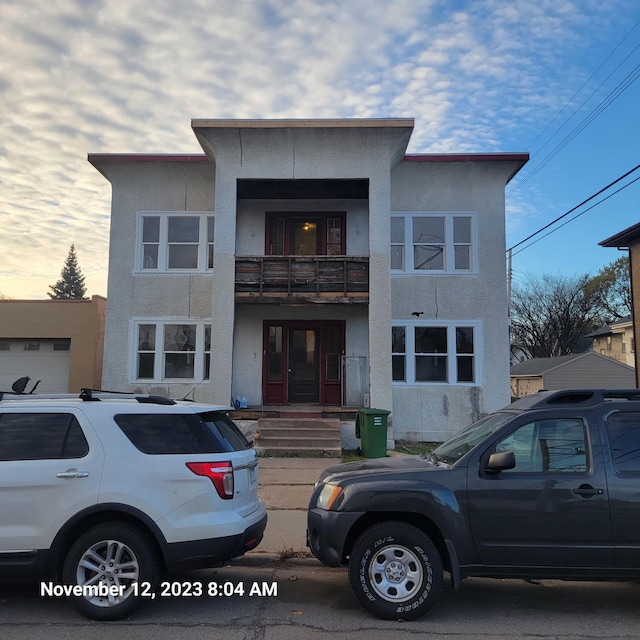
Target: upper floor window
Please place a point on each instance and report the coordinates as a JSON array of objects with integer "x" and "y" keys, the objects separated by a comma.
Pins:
[
  {"x": 438, "y": 353},
  {"x": 172, "y": 350},
  {"x": 305, "y": 234},
  {"x": 438, "y": 242},
  {"x": 175, "y": 241}
]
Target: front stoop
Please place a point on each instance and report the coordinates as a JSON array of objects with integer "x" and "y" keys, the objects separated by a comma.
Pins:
[{"x": 291, "y": 435}]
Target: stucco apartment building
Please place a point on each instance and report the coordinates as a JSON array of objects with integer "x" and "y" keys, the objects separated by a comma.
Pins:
[{"x": 312, "y": 262}]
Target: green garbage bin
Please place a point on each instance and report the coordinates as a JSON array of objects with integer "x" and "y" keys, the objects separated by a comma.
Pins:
[{"x": 371, "y": 428}]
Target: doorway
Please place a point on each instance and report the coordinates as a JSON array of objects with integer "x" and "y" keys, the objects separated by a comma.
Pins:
[{"x": 302, "y": 362}]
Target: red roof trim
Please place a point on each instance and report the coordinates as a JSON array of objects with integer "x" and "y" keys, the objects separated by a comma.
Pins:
[
  {"x": 142, "y": 157},
  {"x": 467, "y": 157}
]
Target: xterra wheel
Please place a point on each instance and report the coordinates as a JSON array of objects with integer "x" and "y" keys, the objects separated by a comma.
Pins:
[
  {"x": 110, "y": 563},
  {"x": 395, "y": 571}
]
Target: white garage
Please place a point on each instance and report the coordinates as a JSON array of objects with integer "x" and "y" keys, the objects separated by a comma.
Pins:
[{"x": 46, "y": 360}]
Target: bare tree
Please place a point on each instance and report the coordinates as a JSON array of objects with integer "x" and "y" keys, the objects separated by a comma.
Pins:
[
  {"x": 550, "y": 314},
  {"x": 612, "y": 284}
]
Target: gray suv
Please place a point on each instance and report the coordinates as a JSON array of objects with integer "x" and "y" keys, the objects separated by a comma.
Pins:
[{"x": 549, "y": 487}]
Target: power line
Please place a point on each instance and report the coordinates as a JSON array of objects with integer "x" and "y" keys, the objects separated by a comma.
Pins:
[
  {"x": 578, "y": 215},
  {"x": 613, "y": 95},
  {"x": 584, "y": 84},
  {"x": 564, "y": 215},
  {"x": 593, "y": 114}
]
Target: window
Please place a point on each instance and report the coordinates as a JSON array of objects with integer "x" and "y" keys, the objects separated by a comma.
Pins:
[
  {"x": 548, "y": 446},
  {"x": 439, "y": 353},
  {"x": 441, "y": 243},
  {"x": 41, "y": 436},
  {"x": 623, "y": 431},
  {"x": 175, "y": 241},
  {"x": 305, "y": 234},
  {"x": 161, "y": 434},
  {"x": 172, "y": 350}
]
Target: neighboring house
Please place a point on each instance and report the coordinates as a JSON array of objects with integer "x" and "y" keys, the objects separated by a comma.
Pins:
[
  {"x": 616, "y": 341},
  {"x": 629, "y": 239},
  {"x": 57, "y": 342},
  {"x": 312, "y": 262},
  {"x": 577, "y": 371}
]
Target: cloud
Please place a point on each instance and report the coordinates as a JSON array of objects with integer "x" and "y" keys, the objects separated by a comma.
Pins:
[{"x": 92, "y": 76}]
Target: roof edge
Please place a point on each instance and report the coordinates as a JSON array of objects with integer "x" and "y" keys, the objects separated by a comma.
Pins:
[
  {"x": 327, "y": 123},
  {"x": 145, "y": 157},
  {"x": 623, "y": 239},
  {"x": 467, "y": 157}
]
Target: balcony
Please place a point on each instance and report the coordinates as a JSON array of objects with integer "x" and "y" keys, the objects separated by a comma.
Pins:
[{"x": 302, "y": 279}]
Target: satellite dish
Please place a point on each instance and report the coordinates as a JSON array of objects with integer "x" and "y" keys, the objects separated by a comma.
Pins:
[{"x": 20, "y": 385}]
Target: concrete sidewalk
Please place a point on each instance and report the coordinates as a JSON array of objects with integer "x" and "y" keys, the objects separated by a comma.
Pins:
[{"x": 285, "y": 486}]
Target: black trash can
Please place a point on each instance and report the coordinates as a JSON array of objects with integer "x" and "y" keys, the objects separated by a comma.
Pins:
[{"x": 371, "y": 428}]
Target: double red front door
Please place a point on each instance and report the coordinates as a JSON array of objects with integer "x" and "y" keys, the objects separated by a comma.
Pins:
[{"x": 302, "y": 362}]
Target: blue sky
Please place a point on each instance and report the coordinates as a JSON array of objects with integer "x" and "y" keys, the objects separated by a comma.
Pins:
[{"x": 99, "y": 76}]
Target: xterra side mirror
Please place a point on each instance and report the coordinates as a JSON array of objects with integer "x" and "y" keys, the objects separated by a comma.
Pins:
[{"x": 500, "y": 461}]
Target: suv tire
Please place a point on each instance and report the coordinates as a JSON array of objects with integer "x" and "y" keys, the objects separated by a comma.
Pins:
[
  {"x": 112, "y": 554},
  {"x": 395, "y": 571}
]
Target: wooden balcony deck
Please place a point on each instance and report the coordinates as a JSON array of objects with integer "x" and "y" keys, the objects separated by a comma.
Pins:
[{"x": 302, "y": 279}]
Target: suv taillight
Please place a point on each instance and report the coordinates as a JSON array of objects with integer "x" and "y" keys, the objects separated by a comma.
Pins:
[{"x": 220, "y": 473}]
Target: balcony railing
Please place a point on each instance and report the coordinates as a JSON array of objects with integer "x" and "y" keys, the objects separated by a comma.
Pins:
[{"x": 295, "y": 279}]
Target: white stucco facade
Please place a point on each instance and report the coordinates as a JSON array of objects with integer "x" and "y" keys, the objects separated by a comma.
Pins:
[{"x": 359, "y": 179}]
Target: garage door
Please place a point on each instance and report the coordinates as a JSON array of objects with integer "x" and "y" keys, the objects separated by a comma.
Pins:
[{"x": 44, "y": 360}]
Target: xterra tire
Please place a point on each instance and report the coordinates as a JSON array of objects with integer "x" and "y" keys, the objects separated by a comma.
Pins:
[{"x": 395, "y": 571}]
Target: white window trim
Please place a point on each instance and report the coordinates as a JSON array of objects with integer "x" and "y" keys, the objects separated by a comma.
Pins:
[
  {"x": 158, "y": 373},
  {"x": 450, "y": 325},
  {"x": 449, "y": 245},
  {"x": 203, "y": 245}
]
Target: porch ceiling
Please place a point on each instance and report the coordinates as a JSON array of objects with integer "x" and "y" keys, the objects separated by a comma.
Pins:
[{"x": 351, "y": 189}]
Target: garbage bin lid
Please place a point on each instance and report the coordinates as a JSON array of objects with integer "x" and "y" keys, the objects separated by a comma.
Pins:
[{"x": 369, "y": 411}]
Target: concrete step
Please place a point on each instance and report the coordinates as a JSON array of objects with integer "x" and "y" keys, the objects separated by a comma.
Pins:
[
  {"x": 299, "y": 423},
  {"x": 312, "y": 443},
  {"x": 319, "y": 436},
  {"x": 327, "y": 452}
]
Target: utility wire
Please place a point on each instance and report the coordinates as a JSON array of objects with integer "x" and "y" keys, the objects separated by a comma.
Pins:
[
  {"x": 564, "y": 215},
  {"x": 578, "y": 215},
  {"x": 584, "y": 84},
  {"x": 594, "y": 113}
]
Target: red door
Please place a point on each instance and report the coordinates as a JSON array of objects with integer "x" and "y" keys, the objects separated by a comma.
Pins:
[{"x": 302, "y": 362}]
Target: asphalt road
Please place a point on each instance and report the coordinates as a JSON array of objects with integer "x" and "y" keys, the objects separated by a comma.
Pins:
[{"x": 315, "y": 602}]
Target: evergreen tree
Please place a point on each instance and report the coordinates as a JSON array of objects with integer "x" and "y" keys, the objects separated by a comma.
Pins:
[{"x": 71, "y": 284}]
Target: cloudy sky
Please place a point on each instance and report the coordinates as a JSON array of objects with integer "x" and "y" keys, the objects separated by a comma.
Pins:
[{"x": 555, "y": 78}]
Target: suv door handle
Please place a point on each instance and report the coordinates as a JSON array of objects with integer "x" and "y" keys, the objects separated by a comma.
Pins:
[
  {"x": 587, "y": 491},
  {"x": 72, "y": 473}
]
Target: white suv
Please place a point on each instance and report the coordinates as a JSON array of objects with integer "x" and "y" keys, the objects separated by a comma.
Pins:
[{"x": 102, "y": 490}]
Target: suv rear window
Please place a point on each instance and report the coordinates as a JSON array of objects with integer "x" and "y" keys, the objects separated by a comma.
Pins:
[
  {"x": 188, "y": 433},
  {"x": 41, "y": 436}
]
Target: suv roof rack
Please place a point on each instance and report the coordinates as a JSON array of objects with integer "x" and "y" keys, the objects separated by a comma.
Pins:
[
  {"x": 88, "y": 395},
  {"x": 574, "y": 397}
]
